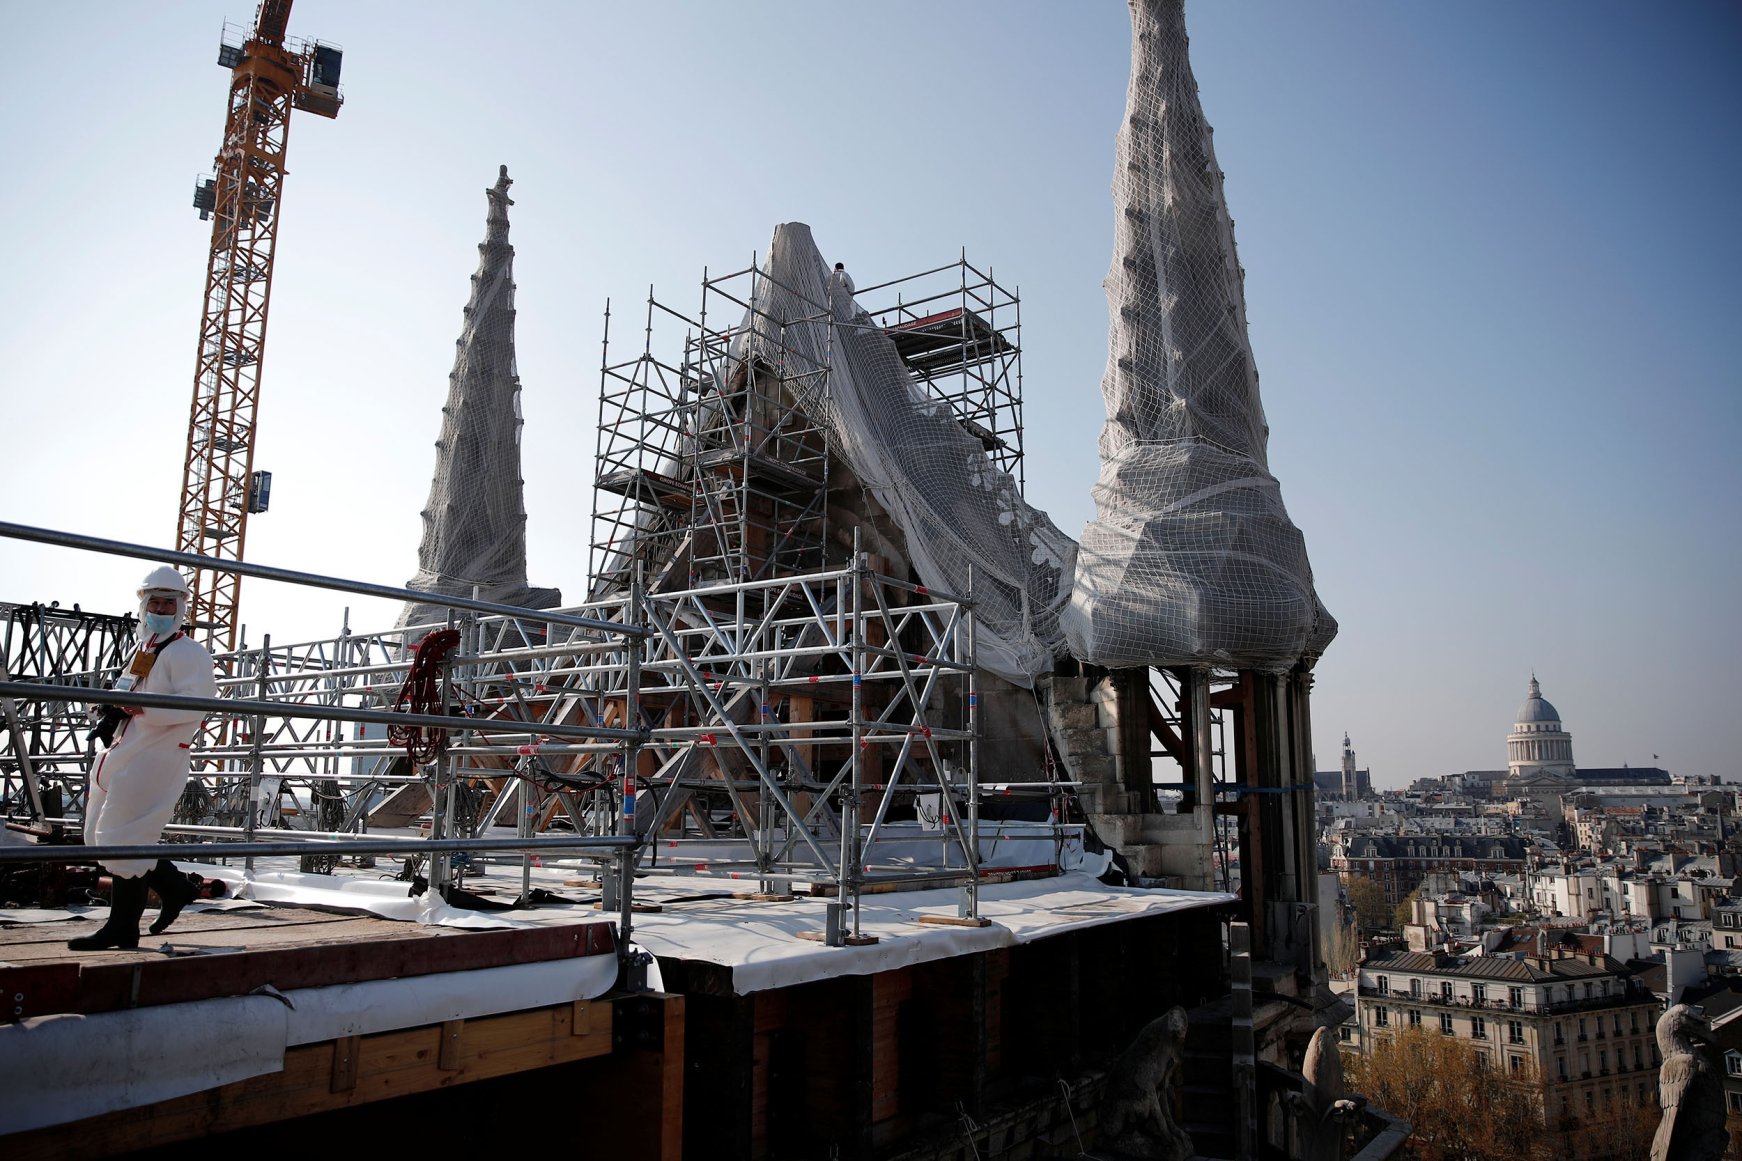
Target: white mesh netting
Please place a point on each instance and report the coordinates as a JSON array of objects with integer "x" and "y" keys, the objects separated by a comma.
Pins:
[
  {"x": 474, "y": 525},
  {"x": 1191, "y": 558},
  {"x": 960, "y": 514}
]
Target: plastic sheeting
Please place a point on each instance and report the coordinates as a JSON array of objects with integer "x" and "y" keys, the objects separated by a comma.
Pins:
[
  {"x": 966, "y": 523},
  {"x": 1192, "y": 558},
  {"x": 474, "y": 525},
  {"x": 764, "y": 944},
  {"x": 58, "y": 1069},
  {"x": 386, "y": 898}
]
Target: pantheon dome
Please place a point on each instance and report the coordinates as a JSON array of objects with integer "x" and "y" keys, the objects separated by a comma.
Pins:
[{"x": 1538, "y": 743}]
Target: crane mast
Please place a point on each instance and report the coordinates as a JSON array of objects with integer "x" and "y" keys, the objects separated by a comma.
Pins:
[{"x": 269, "y": 76}]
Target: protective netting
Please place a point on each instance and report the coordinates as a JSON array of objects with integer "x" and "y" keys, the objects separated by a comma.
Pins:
[
  {"x": 1191, "y": 558},
  {"x": 474, "y": 525},
  {"x": 965, "y": 521}
]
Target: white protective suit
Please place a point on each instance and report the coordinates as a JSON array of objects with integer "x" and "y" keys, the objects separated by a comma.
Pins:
[{"x": 138, "y": 780}]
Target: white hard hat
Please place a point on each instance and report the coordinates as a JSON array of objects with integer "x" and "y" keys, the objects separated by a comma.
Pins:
[{"x": 163, "y": 579}]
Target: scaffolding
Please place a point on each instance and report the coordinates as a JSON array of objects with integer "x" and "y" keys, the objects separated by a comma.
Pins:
[
  {"x": 817, "y": 729},
  {"x": 960, "y": 333},
  {"x": 46, "y": 750},
  {"x": 712, "y": 465}
]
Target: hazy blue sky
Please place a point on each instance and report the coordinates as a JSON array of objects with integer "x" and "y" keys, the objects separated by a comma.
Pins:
[{"x": 1492, "y": 258}]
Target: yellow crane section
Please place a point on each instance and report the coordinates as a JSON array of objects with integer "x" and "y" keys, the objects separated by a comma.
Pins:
[{"x": 269, "y": 76}]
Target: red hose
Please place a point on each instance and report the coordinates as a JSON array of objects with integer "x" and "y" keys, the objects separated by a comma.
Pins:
[{"x": 421, "y": 694}]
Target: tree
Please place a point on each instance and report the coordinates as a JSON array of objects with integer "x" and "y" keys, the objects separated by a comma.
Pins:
[
  {"x": 1459, "y": 1107},
  {"x": 1406, "y": 909},
  {"x": 1372, "y": 913}
]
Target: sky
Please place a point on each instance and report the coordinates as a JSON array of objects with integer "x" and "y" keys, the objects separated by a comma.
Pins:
[{"x": 1492, "y": 266}]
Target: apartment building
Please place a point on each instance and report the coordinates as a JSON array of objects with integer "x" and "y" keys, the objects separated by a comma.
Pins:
[{"x": 1576, "y": 1028}]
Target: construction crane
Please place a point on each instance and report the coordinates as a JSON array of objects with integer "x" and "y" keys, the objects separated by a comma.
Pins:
[{"x": 269, "y": 76}]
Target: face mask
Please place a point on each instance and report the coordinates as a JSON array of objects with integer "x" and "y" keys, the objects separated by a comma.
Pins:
[{"x": 161, "y": 624}]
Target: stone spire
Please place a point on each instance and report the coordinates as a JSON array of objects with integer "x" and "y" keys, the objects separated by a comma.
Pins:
[
  {"x": 474, "y": 525},
  {"x": 1192, "y": 558}
]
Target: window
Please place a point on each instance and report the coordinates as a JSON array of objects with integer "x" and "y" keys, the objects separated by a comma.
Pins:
[
  {"x": 1479, "y": 993},
  {"x": 1381, "y": 1017},
  {"x": 1617, "y": 1023},
  {"x": 1603, "y": 1059},
  {"x": 1384, "y": 984},
  {"x": 1560, "y": 1067},
  {"x": 1515, "y": 1032},
  {"x": 1515, "y": 997},
  {"x": 1587, "y": 991},
  {"x": 1415, "y": 987},
  {"x": 1446, "y": 1023},
  {"x": 1345, "y": 1033},
  {"x": 1560, "y": 1032},
  {"x": 1734, "y": 1100},
  {"x": 1733, "y": 1062},
  {"x": 1515, "y": 1064},
  {"x": 1638, "y": 1057},
  {"x": 1415, "y": 1017},
  {"x": 1590, "y": 1101},
  {"x": 1446, "y": 990},
  {"x": 1582, "y": 1033},
  {"x": 1478, "y": 1028}
]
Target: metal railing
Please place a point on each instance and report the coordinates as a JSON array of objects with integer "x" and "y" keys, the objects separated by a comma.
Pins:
[{"x": 684, "y": 715}]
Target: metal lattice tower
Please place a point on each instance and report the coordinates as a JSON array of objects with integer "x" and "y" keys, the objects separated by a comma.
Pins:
[{"x": 269, "y": 75}]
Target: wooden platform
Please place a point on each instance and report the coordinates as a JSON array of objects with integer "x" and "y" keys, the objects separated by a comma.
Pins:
[
  {"x": 230, "y": 953},
  {"x": 629, "y": 1046}
]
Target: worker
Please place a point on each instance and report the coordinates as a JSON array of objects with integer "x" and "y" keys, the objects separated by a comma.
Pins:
[
  {"x": 841, "y": 280},
  {"x": 135, "y": 785}
]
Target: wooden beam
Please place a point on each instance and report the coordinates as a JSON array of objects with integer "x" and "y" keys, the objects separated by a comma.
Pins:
[
  {"x": 358, "y": 951},
  {"x": 345, "y": 1063}
]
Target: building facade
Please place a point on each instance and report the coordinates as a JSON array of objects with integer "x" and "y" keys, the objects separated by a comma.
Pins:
[
  {"x": 1398, "y": 863},
  {"x": 1578, "y": 1029}
]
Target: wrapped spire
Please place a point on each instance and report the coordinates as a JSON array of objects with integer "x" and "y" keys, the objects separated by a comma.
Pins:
[
  {"x": 474, "y": 525},
  {"x": 1191, "y": 559}
]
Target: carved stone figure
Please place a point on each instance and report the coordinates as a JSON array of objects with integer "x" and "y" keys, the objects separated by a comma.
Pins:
[
  {"x": 1137, "y": 1109},
  {"x": 1324, "y": 1107},
  {"x": 1690, "y": 1088}
]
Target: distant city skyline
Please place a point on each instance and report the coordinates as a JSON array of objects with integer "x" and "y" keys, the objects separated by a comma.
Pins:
[{"x": 1489, "y": 258}]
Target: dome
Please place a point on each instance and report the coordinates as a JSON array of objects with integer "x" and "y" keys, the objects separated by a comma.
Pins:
[{"x": 1537, "y": 708}]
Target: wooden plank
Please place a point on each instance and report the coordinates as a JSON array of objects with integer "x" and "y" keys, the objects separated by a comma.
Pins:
[
  {"x": 453, "y": 1040},
  {"x": 671, "y": 1083},
  {"x": 386, "y": 1065},
  {"x": 644, "y": 1091},
  {"x": 345, "y": 1063},
  {"x": 889, "y": 990},
  {"x": 365, "y": 953}
]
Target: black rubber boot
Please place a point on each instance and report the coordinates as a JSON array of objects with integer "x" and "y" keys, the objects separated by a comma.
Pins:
[
  {"x": 126, "y": 905},
  {"x": 174, "y": 892}
]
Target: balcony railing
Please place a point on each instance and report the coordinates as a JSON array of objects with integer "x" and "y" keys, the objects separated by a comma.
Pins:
[{"x": 1631, "y": 996}]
